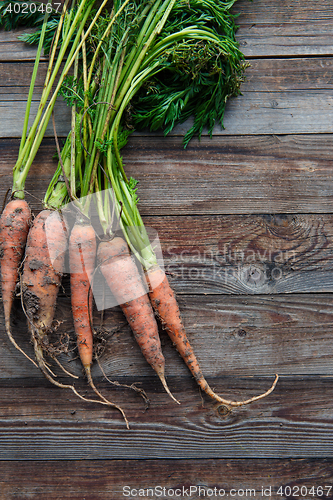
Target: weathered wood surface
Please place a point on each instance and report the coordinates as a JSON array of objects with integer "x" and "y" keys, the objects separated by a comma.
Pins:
[
  {"x": 287, "y": 28},
  {"x": 98, "y": 480},
  {"x": 232, "y": 336},
  {"x": 47, "y": 423},
  {"x": 224, "y": 175},
  {"x": 279, "y": 97},
  {"x": 230, "y": 212},
  {"x": 266, "y": 28}
]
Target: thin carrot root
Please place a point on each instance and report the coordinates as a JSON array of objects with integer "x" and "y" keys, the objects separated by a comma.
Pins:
[
  {"x": 123, "y": 279},
  {"x": 56, "y": 360},
  {"x": 166, "y": 308},
  {"x": 132, "y": 386},
  {"x": 106, "y": 401},
  {"x": 42, "y": 365},
  {"x": 14, "y": 228}
]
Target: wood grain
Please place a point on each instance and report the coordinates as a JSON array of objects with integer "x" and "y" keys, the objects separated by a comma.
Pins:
[
  {"x": 279, "y": 97},
  {"x": 98, "y": 480},
  {"x": 247, "y": 254},
  {"x": 225, "y": 175},
  {"x": 42, "y": 423},
  {"x": 12, "y": 49},
  {"x": 268, "y": 28},
  {"x": 286, "y": 28},
  {"x": 273, "y": 75},
  {"x": 246, "y": 336}
]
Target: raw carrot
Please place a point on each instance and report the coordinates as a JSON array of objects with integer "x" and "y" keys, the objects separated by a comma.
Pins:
[
  {"x": 42, "y": 272},
  {"x": 165, "y": 305},
  {"x": 14, "y": 228},
  {"x": 123, "y": 279},
  {"x": 82, "y": 256},
  {"x": 41, "y": 278}
]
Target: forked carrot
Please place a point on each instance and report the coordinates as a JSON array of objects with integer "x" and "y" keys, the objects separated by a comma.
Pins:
[
  {"x": 82, "y": 256},
  {"x": 165, "y": 305},
  {"x": 14, "y": 228},
  {"x": 123, "y": 279}
]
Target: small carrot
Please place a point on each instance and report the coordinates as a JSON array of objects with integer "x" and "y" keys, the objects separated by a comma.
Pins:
[
  {"x": 82, "y": 256},
  {"x": 123, "y": 279},
  {"x": 165, "y": 305},
  {"x": 14, "y": 228}
]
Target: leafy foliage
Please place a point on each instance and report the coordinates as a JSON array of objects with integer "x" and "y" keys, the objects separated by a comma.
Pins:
[
  {"x": 72, "y": 91},
  {"x": 197, "y": 76},
  {"x": 33, "y": 38}
]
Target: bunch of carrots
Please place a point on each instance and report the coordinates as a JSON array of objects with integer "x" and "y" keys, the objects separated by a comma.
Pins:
[{"x": 135, "y": 65}]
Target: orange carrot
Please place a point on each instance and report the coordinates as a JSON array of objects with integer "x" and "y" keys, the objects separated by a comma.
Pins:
[
  {"x": 165, "y": 305},
  {"x": 42, "y": 272},
  {"x": 41, "y": 278},
  {"x": 123, "y": 279},
  {"x": 14, "y": 227},
  {"x": 82, "y": 256}
]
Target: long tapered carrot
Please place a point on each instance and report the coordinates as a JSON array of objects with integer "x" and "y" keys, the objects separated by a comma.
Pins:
[
  {"x": 123, "y": 279},
  {"x": 82, "y": 256},
  {"x": 14, "y": 228},
  {"x": 165, "y": 305}
]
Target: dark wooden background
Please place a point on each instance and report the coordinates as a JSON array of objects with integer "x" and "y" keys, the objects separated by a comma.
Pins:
[{"x": 245, "y": 221}]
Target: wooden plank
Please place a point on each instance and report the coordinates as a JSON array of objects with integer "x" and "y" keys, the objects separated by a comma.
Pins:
[
  {"x": 266, "y": 28},
  {"x": 247, "y": 254},
  {"x": 285, "y": 28},
  {"x": 265, "y": 174},
  {"x": 273, "y": 101},
  {"x": 94, "y": 480},
  {"x": 225, "y": 175},
  {"x": 273, "y": 75},
  {"x": 13, "y": 49},
  {"x": 251, "y": 336},
  {"x": 299, "y": 112},
  {"x": 12, "y": 117},
  {"x": 42, "y": 423}
]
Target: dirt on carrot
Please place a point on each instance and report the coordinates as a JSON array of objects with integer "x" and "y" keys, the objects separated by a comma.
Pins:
[
  {"x": 123, "y": 279},
  {"x": 41, "y": 277},
  {"x": 82, "y": 256},
  {"x": 14, "y": 228}
]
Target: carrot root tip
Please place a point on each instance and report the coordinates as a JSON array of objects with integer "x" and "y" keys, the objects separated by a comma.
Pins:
[
  {"x": 13, "y": 341},
  {"x": 162, "y": 379},
  {"x": 87, "y": 369}
]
